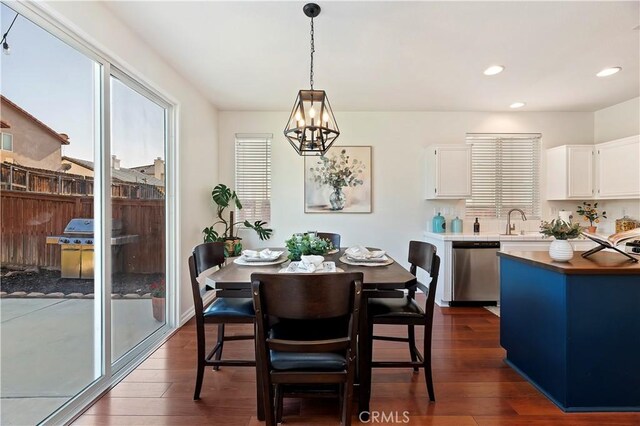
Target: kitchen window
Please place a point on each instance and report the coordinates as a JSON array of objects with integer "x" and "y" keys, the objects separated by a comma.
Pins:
[
  {"x": 7, "y": 142},
  {"x": 505, "y": 174},
  {"x": 253, "y": 176}
]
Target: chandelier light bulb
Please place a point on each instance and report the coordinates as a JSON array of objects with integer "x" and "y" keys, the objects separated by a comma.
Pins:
[
  {"x": 312, "y": 112},
  {"x": 298, "y": 116}
]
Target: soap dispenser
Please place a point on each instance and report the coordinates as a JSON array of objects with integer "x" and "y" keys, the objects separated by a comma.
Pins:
[{"x": 439, "y": 225}]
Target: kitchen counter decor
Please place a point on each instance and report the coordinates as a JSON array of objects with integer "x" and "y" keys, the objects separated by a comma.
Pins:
[
  {"x": 560, "y": 250},
  {"x": 591, "y": 214}
]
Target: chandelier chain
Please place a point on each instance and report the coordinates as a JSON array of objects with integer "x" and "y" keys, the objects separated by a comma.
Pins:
[{"x": 313, "y": 49}]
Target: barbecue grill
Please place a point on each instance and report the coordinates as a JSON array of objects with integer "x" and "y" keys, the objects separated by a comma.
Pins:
[{"x": 77, "y": 246}]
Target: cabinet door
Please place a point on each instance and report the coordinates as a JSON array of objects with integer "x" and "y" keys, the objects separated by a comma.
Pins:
[
  {"x": 453, "y": 172},
  {"x": 618, "y": 164},
  {"x": 579, "y": 172}
]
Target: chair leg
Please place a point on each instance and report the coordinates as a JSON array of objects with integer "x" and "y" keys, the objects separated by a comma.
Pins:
[
  {"x": 221, "y": 343},
  {"x": 411, "y": 334},
  {"x": 347, "y": 403},
  {"x": 279, "y": 397},
  {"x": 269, "y": 400},
  {"x": 427, "y": 366},
  {"x": 199, "y": 377}
]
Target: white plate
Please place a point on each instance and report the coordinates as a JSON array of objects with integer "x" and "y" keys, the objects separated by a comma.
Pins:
[
  {"x": 344, "y": 259},
  {"x": 241, "y": 261},
  {"x": 292, "y": 269}
]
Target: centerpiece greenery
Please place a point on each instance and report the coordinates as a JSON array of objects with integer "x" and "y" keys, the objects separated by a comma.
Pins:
[
  {"x": 591, "y": 213},
  {"x": 338, "y": 172},
  {"x": 223, "y": 197},
  {"x": 560, "y": 229},
  {"x": 304, "y": 244}
]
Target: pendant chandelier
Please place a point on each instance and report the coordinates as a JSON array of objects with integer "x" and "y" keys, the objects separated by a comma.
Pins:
[{"x": 311, "y": 128}]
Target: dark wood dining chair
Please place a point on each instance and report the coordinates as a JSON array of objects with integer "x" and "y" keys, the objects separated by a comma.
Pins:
[
  {"x": 306, "y": 334},
  {"x": 221, "y": 311},
  {"x": 406, "y": 311},
  {"x": 334, "y": 238}
]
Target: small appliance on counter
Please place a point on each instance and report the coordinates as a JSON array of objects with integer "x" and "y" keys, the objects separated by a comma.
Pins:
[
  {"x": 456, "y": 225},
  {"x": 439, "y": 224}
]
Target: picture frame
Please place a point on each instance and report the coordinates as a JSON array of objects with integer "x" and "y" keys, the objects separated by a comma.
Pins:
[{"x": 339, "y": 182}]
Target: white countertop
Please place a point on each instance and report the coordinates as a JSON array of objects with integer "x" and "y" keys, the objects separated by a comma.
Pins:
[{"x": 486, "y": 236}]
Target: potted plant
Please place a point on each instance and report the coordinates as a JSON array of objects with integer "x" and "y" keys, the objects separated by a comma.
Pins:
[
  {"x": 560, "y": 249},
  {"x": 304, "y": 244},
  {"x": 158, "y": 299},
  {"x": 223, "y": 197},
  {"x": 591, "y": 214}
]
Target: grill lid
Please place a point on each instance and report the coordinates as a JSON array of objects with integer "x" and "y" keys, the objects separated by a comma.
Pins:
[{"x": 80, "y": 226}]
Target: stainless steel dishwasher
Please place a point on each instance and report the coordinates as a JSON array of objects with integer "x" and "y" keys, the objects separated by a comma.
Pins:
[{"x": 476, "y": 277}]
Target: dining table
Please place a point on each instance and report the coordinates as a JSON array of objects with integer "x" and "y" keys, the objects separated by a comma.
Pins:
[{"x": 234, "y": 280}]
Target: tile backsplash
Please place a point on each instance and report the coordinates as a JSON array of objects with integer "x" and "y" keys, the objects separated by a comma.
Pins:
[{"x": 615, "y": 209}]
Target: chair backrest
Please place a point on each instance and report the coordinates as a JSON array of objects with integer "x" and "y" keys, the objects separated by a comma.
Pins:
[
  {"x": 204, "y": 256},
  {"x": 334, "y": 238},
  {"x": 423, "y": 255},
  {"x": 306, "y": 297}
]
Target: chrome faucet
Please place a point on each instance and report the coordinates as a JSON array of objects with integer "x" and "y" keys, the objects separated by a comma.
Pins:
[{"x": 511, "y": 227}]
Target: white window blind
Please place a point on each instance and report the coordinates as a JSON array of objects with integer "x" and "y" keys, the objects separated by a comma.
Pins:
[
  {"x": 505, "y": 174},
  {"x": 253, "y": 176}
]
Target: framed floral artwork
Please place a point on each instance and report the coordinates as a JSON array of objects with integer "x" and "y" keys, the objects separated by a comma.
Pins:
[{"x": 339, "y": 181}]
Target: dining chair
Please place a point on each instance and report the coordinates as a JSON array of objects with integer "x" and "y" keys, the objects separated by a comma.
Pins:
[
  {"x": 306, "y": 335},
  {"x": 406, "y": 311},
  {"x": 221, "y": 311},
  {"x": 334, "y": 238}
]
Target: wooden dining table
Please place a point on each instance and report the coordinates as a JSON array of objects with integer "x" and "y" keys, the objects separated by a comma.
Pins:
[{"x": 234, "y": 280}]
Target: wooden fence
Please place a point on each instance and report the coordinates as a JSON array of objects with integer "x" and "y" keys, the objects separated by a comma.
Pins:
[{"x": 28, "y": 218}]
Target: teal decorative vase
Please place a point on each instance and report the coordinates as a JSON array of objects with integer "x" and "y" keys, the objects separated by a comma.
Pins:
[{"x": 439, "y": 224}]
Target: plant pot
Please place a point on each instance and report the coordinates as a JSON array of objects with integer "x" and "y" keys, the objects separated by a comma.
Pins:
[
  {"x": 592, "y": 229},
  {"x": 561, "y": 250},
  {"x": 232, "y": 246},
  {"x": 158, "y": 304}
]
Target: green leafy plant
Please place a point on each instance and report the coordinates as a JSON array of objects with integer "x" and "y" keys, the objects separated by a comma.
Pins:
[
  {"x": 223, "y": 197},
  {"x": 560, "y": 229},
  {"x": 590, "y": 213},
  {"x": 338, "y": 171},
  {"x": 302, "y": 245}
]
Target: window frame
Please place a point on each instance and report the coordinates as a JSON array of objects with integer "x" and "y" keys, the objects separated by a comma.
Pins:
[{"x": 3, "y": 134}]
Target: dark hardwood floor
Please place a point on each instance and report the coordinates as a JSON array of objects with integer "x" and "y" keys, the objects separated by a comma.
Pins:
[{"x": 473, "y": 386}]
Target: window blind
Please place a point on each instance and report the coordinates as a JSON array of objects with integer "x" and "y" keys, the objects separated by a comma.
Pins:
[
  {"x": 505, "y": 174},
  {"x": 253, "y": 176}
]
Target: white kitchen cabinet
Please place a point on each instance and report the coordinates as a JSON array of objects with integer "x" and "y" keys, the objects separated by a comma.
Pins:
[
  {"x": 448, "y": 174},
  {"x": 570, "y": 172},
  {"x": 618, "y": 168}
]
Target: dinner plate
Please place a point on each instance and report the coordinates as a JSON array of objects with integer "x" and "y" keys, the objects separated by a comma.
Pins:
[
  {"x": 241, "y": 261},
  {"x": 344, "y": 259}
]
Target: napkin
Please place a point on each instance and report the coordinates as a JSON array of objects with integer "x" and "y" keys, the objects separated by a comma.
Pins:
[
  {"x": 363, "y": 253},
  {"x": 310, "y": 263},
  {"x": 265, "y": 254}
]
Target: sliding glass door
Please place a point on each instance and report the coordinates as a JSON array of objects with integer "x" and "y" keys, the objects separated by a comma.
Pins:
[{"x": 85, "y": 178}]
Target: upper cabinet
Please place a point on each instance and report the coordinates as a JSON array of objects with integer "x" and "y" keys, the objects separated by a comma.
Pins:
[
  {"x": 570, "y": 172},
  {"x": 609, "y": 170},
  {"x": 448, "y": 172},
  {"x": 618, "y": 168}
]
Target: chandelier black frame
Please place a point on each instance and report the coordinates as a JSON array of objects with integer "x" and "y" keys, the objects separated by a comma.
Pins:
[{"x": 312, "y": 127}]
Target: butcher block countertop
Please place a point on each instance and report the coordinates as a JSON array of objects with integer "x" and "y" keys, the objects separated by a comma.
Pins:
[{"x": 602, "y": 263}]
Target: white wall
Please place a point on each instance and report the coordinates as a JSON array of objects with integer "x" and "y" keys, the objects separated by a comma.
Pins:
[
  {"x": 400, "y": 212},
  {"x": 617, "y": 121},
  {"x": 197, "y": 134}
]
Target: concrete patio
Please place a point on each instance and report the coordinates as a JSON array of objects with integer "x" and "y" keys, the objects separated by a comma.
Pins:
[{"x": 46, "y": 354}]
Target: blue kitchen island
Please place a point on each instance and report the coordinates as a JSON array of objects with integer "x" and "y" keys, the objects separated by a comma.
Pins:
[{"x": 573, "y": 329}]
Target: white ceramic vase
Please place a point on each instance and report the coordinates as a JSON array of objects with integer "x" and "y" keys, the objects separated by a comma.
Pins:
[{"x": 561, "y": 250}]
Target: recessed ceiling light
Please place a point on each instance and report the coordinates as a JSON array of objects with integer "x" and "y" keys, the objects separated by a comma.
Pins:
[
  {"x": 517, "y": 105},
  {"x": 609, "y": 71},
  {"x": 493, "y": 70}
]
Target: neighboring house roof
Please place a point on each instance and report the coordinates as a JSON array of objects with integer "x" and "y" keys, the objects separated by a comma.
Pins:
[
  {"x": 64, "y": 139},
  {"x": 121, "y": 174}
]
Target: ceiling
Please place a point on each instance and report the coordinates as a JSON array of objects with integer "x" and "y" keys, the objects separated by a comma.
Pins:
[{"x": 399, "y": 56}]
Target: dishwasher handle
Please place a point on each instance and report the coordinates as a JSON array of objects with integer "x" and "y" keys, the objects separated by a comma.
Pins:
[{"x": 475, "y": 244}]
